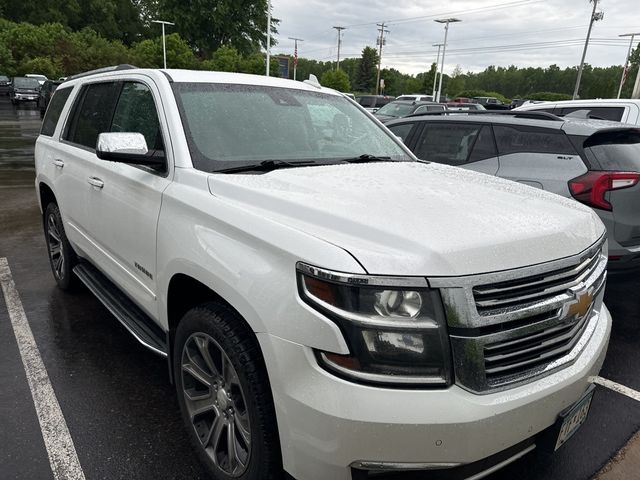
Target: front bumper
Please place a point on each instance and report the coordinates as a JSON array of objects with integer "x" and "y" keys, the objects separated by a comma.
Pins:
[
  {"x": 24, "y": 97},
  {"x": 327, "y": 424}
]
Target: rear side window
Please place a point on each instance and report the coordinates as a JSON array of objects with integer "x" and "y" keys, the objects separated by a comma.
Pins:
[
  {"x": 92, "y": 113},
  {"x": 403, "y": 130},
  {"x": 450, "y": 143},
  {"x": 382, "y": 101},
  {"x": 618, "y": 150},
  {"x": 54, "y": 110},
  {"x": 604, "y": 113},
  {"x": 136, "y": 112},
  {"x": 524, "y": 139}
]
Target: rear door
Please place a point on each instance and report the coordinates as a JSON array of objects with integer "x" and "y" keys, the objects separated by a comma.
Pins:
[
  {"x": 539, "y": 157},
  {"x": 459, "y": 144},
  {"x": 126, "y": 206}
]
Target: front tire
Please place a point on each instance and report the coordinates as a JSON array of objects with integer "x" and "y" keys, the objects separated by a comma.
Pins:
[
  {"x": 61, "y": 255},
  {"x": 224, "y": 395}
]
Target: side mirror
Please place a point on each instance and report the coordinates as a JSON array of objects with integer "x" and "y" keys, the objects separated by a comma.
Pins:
[{"x": 126, "y": 147}]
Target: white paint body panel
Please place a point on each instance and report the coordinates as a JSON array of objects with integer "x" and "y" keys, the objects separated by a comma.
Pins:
[{"x": 241, "y": 235}]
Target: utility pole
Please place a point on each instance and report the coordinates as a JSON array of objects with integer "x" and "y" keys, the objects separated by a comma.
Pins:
[
  {"x": 594, "y": 18},
  {"x": 446, "y": 22},
  {"x": 164, "y": 44},
  {"x": 295, "y": 54},
  {"x": 268, "y": 36},
  {"x": 636, "y": 88},
  {"x": 339, "y": 29},
  {"x": 625, "y": 70},
  {"x": 435, "y": 77},
  {"x": 381, "y": 42}
]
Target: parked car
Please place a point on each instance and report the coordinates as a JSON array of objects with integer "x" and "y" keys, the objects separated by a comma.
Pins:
[
  {"x": 45, "y": 94},
  {"x": 402, "y": 108},
  {"x": 24, "y": 89},
  {"x": 490, "y": 103},
  {"x": 328, "y": 305},
  {"x": 597, "y": 163},
  {"x": 373, "y": 102},
  {"x": 518, "y": 102},
  {"x": 416, "y": 97},
  {"x": 461, "y": 100},
  {"x": 5, "y": 85},
  {"x": 618, "y": 110},
  {"x": 464, "y": 107},
  {"x": 40, "y": 78}
]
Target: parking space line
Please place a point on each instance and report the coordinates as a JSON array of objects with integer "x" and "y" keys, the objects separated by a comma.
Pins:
[
  {"x": 616, "y": 387},
  {"x": 63, "y": 457}
]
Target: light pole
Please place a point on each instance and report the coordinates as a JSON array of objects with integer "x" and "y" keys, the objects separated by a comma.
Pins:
[
  {"x": 164, "y": 45},
  {"x": 626, "y": 62},
  {"x": 268, "y": 35},
  {"x": 435, "y": 77},
  {"x": 295, "y": 54},
  {"x": 446, "y": 22},
  {"x": 339, "y": 29},
  {"x": 594, "y": 18}
]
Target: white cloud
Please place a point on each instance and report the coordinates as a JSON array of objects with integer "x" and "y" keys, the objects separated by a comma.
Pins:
[{"x": 526, "y": 33}]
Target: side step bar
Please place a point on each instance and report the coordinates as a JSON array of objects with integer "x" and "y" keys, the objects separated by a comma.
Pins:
[{"x": 137, "y": 322}]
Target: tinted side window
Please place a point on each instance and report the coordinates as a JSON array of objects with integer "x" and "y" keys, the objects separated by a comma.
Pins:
[
  {"x": 448, "y": 143},
  {"x": 136, "y": 112},
  {"x": 605, "y": 113},
  {"x": 485, "y": 146},
  {"x": 54, "y": 110},
  {"x": 402, "y": 130},
  {"x": 92, "y": 113},
  {"x": 517, "y": 139},
  {"x": 380, "y": 102}
]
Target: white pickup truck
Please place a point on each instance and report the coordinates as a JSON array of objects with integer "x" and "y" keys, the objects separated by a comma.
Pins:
[{"x": 329, "y": 306}]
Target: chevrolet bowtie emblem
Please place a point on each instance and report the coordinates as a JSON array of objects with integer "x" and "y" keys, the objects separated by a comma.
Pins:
[{"x": 580, "y": 306}]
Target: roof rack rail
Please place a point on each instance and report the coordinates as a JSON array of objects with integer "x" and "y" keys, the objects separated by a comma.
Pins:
[
  {"x": 115, "y": 68},
  {"x": 519, "y": 114}
]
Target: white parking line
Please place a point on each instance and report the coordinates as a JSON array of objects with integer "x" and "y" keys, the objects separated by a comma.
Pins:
[
  {"x": 616, "y": 387},
  {"x": 62, "y": 453}
]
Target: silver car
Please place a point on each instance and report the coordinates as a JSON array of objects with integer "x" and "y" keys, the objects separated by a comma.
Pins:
[{"x": 596, "y": 162}]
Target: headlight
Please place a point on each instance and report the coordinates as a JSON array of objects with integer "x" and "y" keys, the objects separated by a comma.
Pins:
[{"x": 395, "y": 327}]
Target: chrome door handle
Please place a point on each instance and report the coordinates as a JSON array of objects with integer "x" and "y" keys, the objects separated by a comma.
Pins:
[
  {"x": 96, "y": 182},
  {"x": 58, "y": 163}
]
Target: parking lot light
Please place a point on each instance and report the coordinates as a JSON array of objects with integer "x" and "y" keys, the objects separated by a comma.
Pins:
[
  {"x": 446, "y": 22},
  {"x": 164, "y": 45}
]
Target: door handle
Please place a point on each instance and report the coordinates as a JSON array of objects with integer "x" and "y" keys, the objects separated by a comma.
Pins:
[
  {"x": 96, "y": 182},
  {"x": 58, "y": 163}
]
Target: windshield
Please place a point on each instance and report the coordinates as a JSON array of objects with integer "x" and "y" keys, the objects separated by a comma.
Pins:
[
  {"x": 396, "y": 109},
  {"x": 23, "y": 82},
  {"x": 229, "y": 125}
]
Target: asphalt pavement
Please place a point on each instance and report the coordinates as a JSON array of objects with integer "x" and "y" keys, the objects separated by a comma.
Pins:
[{"x": 120, "y": 409}]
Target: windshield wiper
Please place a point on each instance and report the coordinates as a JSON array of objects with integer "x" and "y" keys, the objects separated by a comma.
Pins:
[
  {"x": 366, "y": 158},
  {"x": 265, "y": 166}
]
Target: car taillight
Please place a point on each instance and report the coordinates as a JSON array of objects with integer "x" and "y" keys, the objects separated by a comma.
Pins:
[{"x": 591, "y": 187}]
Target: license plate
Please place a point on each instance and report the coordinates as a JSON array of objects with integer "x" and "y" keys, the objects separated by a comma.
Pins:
[{"x": 574, "y": 418}]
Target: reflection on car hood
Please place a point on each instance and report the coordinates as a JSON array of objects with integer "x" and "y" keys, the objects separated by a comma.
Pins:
[{"x": 414, "y": 218}]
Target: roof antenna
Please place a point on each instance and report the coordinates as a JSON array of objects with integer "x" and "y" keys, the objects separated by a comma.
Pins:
[{"x": 313, "y": 81}]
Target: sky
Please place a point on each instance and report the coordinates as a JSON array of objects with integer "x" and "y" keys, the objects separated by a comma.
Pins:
[{"x": 535, "y": 33}]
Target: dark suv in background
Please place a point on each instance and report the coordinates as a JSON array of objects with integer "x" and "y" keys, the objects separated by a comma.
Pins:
[
  {"x": 24, "y": 89},
  {"x": 5, "y": 85},
  {"x": 44, "y": 97},
  {"x": 373, "y": 102},
  {"x": 595, "y": 162}
]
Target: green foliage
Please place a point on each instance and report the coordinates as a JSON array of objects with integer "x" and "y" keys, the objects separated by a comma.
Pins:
[
  {"x": 209, "y": 24},
  {"x": 481, "y": 93},
  {"x": 336, "y": 79},
  {"x": 365, "y": 80},
  {"x": 225, "y": 59},
  {"x": 40, "y": 65},
  {"x": 148, "y": 53},
  {"x": 549, "y": 96}
]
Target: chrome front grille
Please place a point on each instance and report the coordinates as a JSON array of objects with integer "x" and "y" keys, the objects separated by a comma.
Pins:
[
  {"x": 508, "y": 327},
  {"x": 532, "y": 289}
]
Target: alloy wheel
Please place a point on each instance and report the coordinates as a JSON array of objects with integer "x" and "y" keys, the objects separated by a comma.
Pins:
[{"x": 56, "y": 253}]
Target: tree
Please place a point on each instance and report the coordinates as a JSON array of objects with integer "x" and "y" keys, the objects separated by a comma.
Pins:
[
  {"x": 336, "y": 79},
  {"x": 366, "y": 79},
  {"x": 148, "y": 53},
  {"x": 210, "y": 24}
]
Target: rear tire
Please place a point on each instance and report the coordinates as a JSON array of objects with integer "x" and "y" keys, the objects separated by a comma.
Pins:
[
  {"x": 62, "y": 258},
  {"x": 224, "y": 395}
]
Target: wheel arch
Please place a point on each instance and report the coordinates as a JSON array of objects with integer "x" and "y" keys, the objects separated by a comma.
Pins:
[{"x": 45, "y": 196}]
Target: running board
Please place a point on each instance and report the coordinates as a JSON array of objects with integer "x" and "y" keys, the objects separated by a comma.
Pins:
[{"x": 137, "y": 322}]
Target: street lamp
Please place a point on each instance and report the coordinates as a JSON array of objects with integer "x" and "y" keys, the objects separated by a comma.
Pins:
[
  {"x": 435, "y": 77},
  {"x": 164, "y": 45},
  {"x": 625, "y": 71},
  {"x": 446, "y": 22}
]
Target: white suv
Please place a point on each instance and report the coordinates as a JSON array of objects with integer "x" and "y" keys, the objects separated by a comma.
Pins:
[{"x": 328, "y": 305}]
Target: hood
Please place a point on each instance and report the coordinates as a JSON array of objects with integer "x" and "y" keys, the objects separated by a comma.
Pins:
[{"x": 413, "y": 218}]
